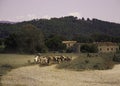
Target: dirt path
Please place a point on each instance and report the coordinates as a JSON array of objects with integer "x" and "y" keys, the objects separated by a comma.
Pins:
[{"x": 50, "y": 76}]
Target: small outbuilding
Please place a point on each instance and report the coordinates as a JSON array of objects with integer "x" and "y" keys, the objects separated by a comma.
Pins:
[{"x": 69, "y": 43}]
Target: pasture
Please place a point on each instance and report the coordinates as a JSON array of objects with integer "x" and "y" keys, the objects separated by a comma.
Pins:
[
  {"x": 10, "y": 61},
  {"x": 15, "y": 60},
  {"x": 92, "y": 62},
  {"x": 79, "y": 61}
]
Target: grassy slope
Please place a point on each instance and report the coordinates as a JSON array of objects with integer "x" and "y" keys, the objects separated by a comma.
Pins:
[
  {"x": 10, "y": 61},
  {"x": 79, "y": 62},
  {"x": 18, "y": 60},
  {"x": 82, "y": 62},
  {"x": 15, "y": 60}
]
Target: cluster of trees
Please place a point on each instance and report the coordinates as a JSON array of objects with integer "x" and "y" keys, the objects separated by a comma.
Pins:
[
  {"x": 30, "y": 39},
  {"x": 47, "y": 35},
  {"x": 97, "y": 38},
  {"x": 89, "y": 48},
  {"x": 27, "y": 39},
  {"x": 69, "y": 27},
  {"x": 54, "y": 43}
]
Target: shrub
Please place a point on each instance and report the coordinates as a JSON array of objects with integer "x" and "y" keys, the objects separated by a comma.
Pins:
[
  {"x": 69, "y": 50},
  {"x": 55, "y": 44},
  {"x": 86, "y": 61},
  {"x": 96, "y": 66},
  {"x": 89, "y": 48},
  {"x": 116, "y": 58},
  {"x": 8, "y": 66},
  {"x": 83, "y": 63}
]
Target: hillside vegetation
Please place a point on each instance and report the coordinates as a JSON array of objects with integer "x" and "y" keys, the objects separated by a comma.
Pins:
[
  {"x": 94, "y": 62},
  {"x": 43, "y": 35},
  {"x": 69, "y": 27}
]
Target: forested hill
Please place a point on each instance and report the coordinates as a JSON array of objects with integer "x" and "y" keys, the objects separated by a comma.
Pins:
[{"x": 68, "y": 27}]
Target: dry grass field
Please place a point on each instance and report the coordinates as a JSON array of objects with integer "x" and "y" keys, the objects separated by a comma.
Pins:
[
  {"x": 50, "y": 76},
  {"x": 56, "y": 74},
  {"x": 15, "y": 60}
]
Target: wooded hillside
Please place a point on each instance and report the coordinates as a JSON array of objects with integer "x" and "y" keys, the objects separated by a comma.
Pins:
[
  {"x": 68, "y": 27},
  {"x": 41, "y": 35}
]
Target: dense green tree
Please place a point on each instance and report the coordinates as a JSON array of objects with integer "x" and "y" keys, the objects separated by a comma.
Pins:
[
  {"x": 11, "y": 43},
  {"x": 32, "y": 39},
  {"x": 55, "y": 44},
  {"x": 83, "y": 39},
  {"x": 89, "y": 48},
  {"x": 29, "y": 39},
  {"x": 69, "y": 28},
  {"x": 101, "y": 37}
]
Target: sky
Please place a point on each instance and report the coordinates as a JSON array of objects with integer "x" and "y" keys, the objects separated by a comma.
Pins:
[{"x": 23, "y": 10}]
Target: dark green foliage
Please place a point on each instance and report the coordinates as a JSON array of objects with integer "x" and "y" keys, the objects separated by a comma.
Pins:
[
  {"x": 2, "y": 45},
  {"x": 32, "y": 39},
  {"x": 84, "y": 39},
  {"x": 8, "y": 66},
  {"x": 1, "y": 41},
  {"x": 70, "y": 50},
  {"x": 85, "y": 63},
  {"x": 55, "y": 44},
  {"x": 11, "y": 42},
  {"x": 70, "y": 27},
  {"x": 23, "y": 39},
  {"x": 103, "y": 38},
  {"x": 89, "y": 48},
  {"x": 116, "y": 58},
  {"x": 29, "y": 40}
]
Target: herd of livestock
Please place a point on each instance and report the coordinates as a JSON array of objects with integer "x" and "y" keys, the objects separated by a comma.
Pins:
[{"x": 46, "y": 60}]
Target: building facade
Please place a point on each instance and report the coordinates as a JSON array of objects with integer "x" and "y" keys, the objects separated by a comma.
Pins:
[
  {"x": 103, "y": 47},
  {"x": 107, "y": 47}
]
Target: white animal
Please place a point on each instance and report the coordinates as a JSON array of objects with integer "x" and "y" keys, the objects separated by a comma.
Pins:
[{"x": 36, "y": 59}]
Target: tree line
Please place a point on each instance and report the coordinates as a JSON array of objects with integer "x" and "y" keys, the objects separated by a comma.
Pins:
[
  {"x": 43, "y": 35},
  {"x": 30, "y": 39}
]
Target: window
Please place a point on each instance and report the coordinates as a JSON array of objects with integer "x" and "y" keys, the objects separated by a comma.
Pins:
[{"x": 107, "y": 49}]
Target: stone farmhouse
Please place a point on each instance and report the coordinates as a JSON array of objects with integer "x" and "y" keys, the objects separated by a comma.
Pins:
[
  {"x": 106, "y": 47},
  {"x": 103, "y": 47}
]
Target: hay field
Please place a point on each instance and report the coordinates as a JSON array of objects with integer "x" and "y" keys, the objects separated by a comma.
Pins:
[
  {"x": 11, "y": 61},
  {"x": 36, "y": 75},
  {"x": 15, "y": 60},
  {"x": 50, "y": 76}
]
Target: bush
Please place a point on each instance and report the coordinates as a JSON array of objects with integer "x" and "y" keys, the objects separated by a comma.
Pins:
[
  {"x": 2, "y": 47},
  {"x": 8, "y": 66},
  {"x": 55, "y": 44},
  {"x": 69, "y": 50},
  {"x": 89, "y": 48},
  {"x": 116, "y": 58},
  {"x": 85, "y": 63}
]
